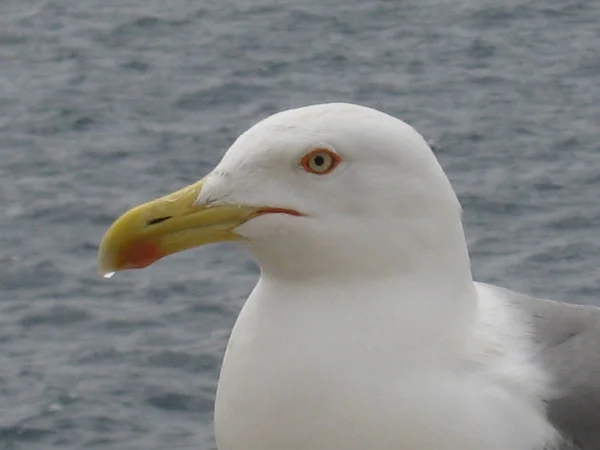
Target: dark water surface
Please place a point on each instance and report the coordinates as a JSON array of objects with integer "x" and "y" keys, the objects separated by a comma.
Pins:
[{"x": 108, "y": 103}]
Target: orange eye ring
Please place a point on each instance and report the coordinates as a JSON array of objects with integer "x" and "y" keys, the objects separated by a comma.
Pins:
[{"x": 320, "y": 161}]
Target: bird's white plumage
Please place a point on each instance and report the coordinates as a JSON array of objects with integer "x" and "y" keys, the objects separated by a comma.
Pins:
[{"x": 365, "y": 330}]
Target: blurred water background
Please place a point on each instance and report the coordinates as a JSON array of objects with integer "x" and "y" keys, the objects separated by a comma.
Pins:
[{"x": 108, "y": 103}]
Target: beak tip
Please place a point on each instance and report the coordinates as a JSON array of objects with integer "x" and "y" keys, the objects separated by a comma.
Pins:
[
  {"x": 106, "y": 265},
  {"x": 134, "y": 255}
]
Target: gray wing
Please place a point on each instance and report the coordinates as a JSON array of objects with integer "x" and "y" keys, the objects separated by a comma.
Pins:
[{"x": 569, "y": 341}]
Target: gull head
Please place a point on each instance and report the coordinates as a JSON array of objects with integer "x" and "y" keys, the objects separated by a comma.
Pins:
[{"x": 318, "y": 191}]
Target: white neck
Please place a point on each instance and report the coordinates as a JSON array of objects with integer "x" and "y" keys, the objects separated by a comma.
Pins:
[
  {"x": 403, "y": 313},
  {"x": 299, "y": 349}
]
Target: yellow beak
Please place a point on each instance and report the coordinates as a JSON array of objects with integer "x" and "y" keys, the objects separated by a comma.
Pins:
[{"x": 167, "y": 225}]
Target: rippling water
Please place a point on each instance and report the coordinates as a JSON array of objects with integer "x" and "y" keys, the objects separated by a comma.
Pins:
[{"x": 108, "y": 103}]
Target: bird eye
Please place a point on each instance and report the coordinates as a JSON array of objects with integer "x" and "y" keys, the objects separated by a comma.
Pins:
[{"x": 320, "y": 161}]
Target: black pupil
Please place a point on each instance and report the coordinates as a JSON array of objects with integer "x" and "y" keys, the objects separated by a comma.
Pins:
[{"x": 319, "y": 160}]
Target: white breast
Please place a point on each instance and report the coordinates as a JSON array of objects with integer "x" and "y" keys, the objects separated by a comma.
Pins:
[{"x": 354, "y": 384}]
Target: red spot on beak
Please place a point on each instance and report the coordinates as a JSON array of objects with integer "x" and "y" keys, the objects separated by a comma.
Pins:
[{"x": 139, "y": 254}]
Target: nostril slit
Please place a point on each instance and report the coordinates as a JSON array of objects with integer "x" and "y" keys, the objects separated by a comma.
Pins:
[{"x": 158, "y": 220}]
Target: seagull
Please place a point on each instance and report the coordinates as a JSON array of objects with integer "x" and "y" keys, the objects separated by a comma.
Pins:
[{"x": 366, "y": 329}]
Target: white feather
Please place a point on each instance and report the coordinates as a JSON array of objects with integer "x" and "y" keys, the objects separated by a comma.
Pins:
[{"x": 366, "y": 330}]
